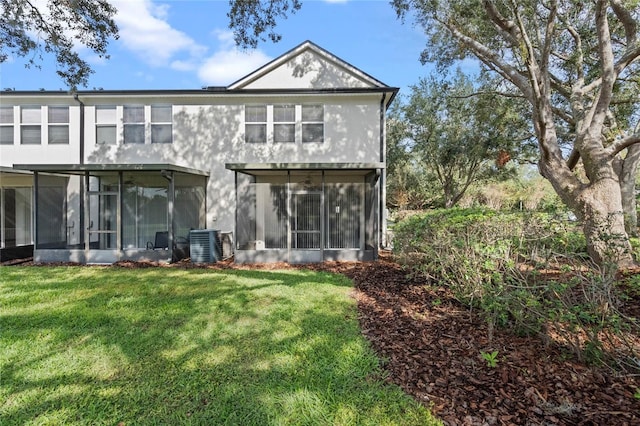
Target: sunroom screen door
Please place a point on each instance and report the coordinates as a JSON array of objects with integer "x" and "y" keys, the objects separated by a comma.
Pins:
[
  {"x": 103, "y": 209},
  {"x": 306, "y": 220},
  {"x": 344, "y": 212}
]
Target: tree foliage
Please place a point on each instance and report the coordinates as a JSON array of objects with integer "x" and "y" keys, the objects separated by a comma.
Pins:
[
  {"x": 576, "y": 63},
  {"x": 463, "y": 133},
  {"x": 250, "y": 20},
  {"x": 29, "y": 28}
]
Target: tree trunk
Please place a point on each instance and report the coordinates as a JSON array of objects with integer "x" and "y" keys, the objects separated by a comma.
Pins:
[
  {"x": 627, "y": 175},
  {"x": 599, "y": 205}
]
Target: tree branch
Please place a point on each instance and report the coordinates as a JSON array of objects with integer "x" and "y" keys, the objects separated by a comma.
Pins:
[
  {"x": 625, "y": 17},
  {"x": 507, "y": 28},
  {"x": 573, "y": 159},
  {"x": 598, "y": 110},
  {"x": 631, "y": 55},
  {"x": 491, "y": 59},
  {"x": 548, "y": 37},
  {"x": 530, "y": 60},
  {"x": 621, "y": 144}
]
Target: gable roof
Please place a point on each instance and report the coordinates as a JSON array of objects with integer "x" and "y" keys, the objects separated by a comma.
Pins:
[{"x": 307, "y": 66}]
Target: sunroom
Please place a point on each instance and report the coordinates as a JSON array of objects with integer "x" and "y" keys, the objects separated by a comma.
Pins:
[
  {"x": 16, "y": 199},
  {"x": 94, "y": 213},
  {"x": 306, "y": 212}
]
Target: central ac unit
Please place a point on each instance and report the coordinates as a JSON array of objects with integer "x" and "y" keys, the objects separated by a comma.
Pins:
[{"x": 205, "y": 245}]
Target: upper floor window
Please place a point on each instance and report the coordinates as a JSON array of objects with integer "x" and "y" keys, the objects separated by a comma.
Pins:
[
  {"x": 133, "y": 124},
  {"x": 161, "y": 124},
  {"x": 255, "y": 128},
  {"x": 58, "y": 118},
  {"x": 30, "y": 127},
  {"x": 106, "y": 125},
  {"x": 312, "y": 123},
  {"x": 284, "y": 123},
  {"x": 6, "y": 125}
]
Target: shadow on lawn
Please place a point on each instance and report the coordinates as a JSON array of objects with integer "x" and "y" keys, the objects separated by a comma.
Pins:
[{"x": 248, "y": 347}]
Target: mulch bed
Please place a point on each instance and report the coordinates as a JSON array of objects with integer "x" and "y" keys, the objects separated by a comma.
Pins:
[{"x": 431, "y": 347}]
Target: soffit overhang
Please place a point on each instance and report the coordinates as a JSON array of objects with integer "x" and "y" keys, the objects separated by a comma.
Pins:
[
  {"x": 303, "y": 166},
  {"x": 81, "y": 168}
]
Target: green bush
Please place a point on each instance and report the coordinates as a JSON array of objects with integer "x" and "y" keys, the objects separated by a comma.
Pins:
[
  {"x": 469, "y": 248},
  {"x": 494, "y": 261},
  {"x": 635, "y": 247}
]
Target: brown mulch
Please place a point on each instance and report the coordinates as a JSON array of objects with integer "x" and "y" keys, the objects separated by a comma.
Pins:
[{"x": 431, "y": 347}]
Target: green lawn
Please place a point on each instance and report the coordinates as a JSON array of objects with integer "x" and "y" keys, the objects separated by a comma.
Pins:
[{"x": 95, "y": 345}]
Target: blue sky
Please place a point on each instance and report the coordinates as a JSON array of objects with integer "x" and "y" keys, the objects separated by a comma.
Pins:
[{"x": 186, "y": 44}]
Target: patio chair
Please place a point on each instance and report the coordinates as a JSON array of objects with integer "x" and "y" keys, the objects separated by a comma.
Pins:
[{"x": 161, "y": 241}]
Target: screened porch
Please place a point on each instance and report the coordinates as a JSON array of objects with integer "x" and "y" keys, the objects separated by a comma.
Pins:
[
  {"x": 299, "y": 215},
  {"x": 107, "y": 213}
]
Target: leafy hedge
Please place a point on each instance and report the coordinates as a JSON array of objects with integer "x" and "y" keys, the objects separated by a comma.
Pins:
[
  {"x": 494, "y": 261},
  {"x": 475, "y": 244}
]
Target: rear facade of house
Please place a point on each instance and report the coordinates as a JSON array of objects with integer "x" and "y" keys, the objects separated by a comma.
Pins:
[{"x": 286, "y": 164}]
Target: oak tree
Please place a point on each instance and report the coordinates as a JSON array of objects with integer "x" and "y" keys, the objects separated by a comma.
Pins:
[{"x": 577, "y": 65}]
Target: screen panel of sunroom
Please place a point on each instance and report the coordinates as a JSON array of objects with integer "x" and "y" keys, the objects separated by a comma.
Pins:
[
  {"x": 345, "y": 215},
  {"x": 144, "y": 201},
  {"x": 15, "y": 217},
  {"x": 57, "y": 220},
  {"x": 189, "y": 210},
  {"x": 103, "y": 211},
  {"x": 302, "y": 214}
]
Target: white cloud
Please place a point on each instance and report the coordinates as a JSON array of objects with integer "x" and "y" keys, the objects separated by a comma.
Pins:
[
  {"x": 229, "y": 63},
  {"x": 145, "y": 30},
  {"x": 182, "y": 65}
]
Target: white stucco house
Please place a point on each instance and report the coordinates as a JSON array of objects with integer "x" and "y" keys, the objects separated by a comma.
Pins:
[{"x": 287, "y": 164}]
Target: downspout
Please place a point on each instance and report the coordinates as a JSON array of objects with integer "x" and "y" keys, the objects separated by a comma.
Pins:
[
  {"x": 85, "y": 180},
  {"x": 77, "y": 99},
  {"x": 382, "y": 192}
]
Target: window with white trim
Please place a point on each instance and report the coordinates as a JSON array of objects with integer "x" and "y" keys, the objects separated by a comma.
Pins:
[
  {"x": 106, "y": 120},
  {"x": 58, "y": 120},
  {"x": 255, "y": 123},
  {"x": 312, "y": 123},
  {"x": 161, "y": 124},
  {"x": 6, "y": 125},
  {"x": 284, "y": 123},
  {"x": 133, "y": 120},
  {"x": 30, "y": 125}
]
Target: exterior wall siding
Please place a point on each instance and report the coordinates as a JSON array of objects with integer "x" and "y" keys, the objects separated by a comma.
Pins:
[
  {"x": 206, "y": 137},
  {"x": 43, "y": 152},
  {"x": 208, "y": 127}
]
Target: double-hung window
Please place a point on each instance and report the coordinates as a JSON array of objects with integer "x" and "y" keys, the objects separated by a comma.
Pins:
[
  {"x": 6, "y": 125},
  {"x": 58, "y": 117},
  {"x": 284, "y": 123},
  {"x": 161, "y": 124},
  {"x": 106, "y": 125},
  {"x": 255, "y": 127},
  {"x": 30, "y": 125},
  {"x": 312, "y": 123},
  {"x": 133, "y": 124}
]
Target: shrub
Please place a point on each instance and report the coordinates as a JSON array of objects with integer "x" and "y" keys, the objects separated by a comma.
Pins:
[
  {"x": 467, "y": 249},
  {"x": 494, "y": 261}
]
